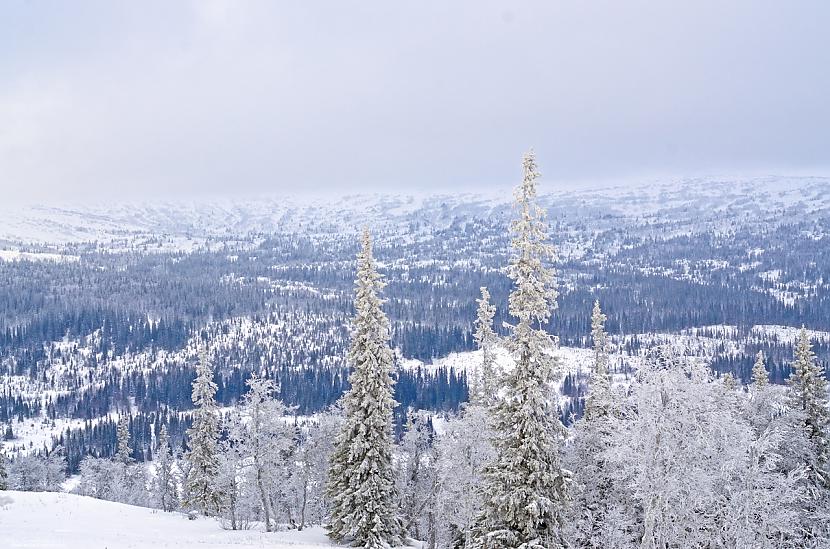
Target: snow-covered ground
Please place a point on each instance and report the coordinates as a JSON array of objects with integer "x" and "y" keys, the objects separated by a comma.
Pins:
[
  {"x": 46, "y": 520},
  {"x": 16, "y": 255}
]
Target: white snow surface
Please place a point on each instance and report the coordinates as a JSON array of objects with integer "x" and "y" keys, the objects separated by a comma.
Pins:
[
  {"x": 48, "y": 520},
  {"x": 16, "y": 255}
]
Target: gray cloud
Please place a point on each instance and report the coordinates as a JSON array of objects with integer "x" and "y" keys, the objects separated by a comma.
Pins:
[{"x": 109, "y": 99}]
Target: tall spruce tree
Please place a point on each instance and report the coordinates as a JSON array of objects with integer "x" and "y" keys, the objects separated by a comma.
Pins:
[
  {"x": 200, "y": 492},
  {"x": 598, "y": 401},
  {"x": 361, "y": 479},
  {"x": 485, "y": 383},
  {"x": 808, "y": 393},
  {"x": 806, "y": 427},
  {"x": 525, "y": 489}
]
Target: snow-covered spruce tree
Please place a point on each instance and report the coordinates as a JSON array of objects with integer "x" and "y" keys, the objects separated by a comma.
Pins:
[
  {"x": 361, "y": 478},
  {"x": 729, "y": 382},
  {"x": 766, "y": 401},
  {"x": 810, "y": 415},
  {"x": 525, "y": 489},
  {"x": 598, "y": 404},
  {"x": 200, "y": 492},
  {"x": 593, "y": 497},
  {"x": 130, "y": 484},
  {"x": 264, "y": 443},
  {"x": 122, "y": 454},
  {"x": 484, "y": 383},
  {"x": 166, "y": 481},
  {"x": 777, "y": 502},
  {"x": 808, "y": 393},
  {"x": 760, "y": 377}
]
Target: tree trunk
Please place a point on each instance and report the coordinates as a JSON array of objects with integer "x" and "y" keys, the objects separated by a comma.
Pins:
[
  {"x": 266, "y": 508},
  {"x": 302, "y": 508}
]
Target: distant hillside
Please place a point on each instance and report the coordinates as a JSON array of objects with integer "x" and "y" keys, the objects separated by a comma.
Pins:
[{"x": 185, "y": 225}]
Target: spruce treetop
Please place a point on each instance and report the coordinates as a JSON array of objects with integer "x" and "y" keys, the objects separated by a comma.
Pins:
[
  {"x": 760, "y": 377},
  {"x": 484, "y": 333},
  {"x": 533, "y": 298},
  {"x": 600, "y": 340},
  {"x": 483, "y": 384}
]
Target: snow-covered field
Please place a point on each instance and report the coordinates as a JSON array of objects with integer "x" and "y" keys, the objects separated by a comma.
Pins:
[{"x": 47, "y": 520}]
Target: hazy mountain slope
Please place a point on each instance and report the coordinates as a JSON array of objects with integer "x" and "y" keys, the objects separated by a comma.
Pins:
[{"x": 694, "y": 200}]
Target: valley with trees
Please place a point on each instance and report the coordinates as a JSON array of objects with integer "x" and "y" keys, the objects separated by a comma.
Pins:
[
  {"x": 546, "y": 425},
  {"x": 414, "y": 275}
]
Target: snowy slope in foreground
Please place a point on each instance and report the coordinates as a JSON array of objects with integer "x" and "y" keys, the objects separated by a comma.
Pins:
[{"x": 47, "y": 520}]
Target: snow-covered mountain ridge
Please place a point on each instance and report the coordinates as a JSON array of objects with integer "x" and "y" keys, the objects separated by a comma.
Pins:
[{"x": 188, "y": 224}]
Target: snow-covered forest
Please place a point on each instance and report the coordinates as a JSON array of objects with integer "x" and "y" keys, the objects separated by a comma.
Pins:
[
  {"x": 615, "y": 445},
  {"x": 477, "y": 274}
]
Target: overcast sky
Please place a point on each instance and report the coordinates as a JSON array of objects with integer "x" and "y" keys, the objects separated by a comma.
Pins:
[{"x": 120, "y": 99}]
